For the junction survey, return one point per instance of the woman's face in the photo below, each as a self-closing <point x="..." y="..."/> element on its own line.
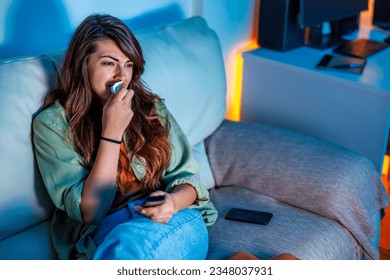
<point x="106" y="66"/>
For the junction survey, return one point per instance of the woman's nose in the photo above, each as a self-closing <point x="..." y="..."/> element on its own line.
<point x="120" y="73"/>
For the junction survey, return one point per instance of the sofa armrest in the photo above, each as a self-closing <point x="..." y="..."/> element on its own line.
<point x="302" y="171"/>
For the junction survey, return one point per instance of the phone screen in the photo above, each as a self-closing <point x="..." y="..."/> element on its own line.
<point x="249" y="216"/>
<point x="153" y="200"/>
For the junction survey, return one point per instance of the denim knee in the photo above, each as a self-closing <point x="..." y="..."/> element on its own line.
<point x="184" y="237"/>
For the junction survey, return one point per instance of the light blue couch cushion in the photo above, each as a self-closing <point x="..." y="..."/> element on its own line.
<point x="23" y="199"/>
<point x="184" y="65"/>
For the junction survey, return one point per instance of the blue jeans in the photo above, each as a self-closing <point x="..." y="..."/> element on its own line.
<point x="127" y="235"/>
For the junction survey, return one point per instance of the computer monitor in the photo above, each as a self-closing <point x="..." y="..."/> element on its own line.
<point x="381" y="16"/>
<point x="326" y="21"/>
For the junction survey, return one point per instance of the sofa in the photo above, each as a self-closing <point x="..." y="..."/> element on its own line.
<point x="326" y="201"/>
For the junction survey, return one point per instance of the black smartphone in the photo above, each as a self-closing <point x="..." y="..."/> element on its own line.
<point x="153" y="200"/>
<point x="249" y="216"/>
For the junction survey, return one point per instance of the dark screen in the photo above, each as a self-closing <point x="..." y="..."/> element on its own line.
<point x="314" y="12"/>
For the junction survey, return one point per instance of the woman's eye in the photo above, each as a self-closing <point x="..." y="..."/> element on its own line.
<point x="108" y="63"/>
<point x="129" y="65"/>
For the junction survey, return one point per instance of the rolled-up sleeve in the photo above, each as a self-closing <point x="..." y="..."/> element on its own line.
<point x="61" y="167"/>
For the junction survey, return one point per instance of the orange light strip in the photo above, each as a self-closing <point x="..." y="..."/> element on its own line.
<point x="386" y="166"/>
<point x="234" y="111"/>
<point x="235" y="89"/>
<point x="384" y="240"/>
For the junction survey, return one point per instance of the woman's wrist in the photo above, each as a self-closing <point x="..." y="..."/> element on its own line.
<point x="183" y="196"/>
<point x="111" y="133"/>
<point x="107" y="139"/>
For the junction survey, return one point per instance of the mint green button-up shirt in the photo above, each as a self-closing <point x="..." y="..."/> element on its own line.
<point x="64" y="173"/>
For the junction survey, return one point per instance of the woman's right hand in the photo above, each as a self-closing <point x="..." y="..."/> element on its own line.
<point x="99" y="188"/>
<point x="117" y="113"/>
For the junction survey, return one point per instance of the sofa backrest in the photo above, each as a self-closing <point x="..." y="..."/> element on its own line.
<point x="184" y="65"/>
<point x="23" y="199"/>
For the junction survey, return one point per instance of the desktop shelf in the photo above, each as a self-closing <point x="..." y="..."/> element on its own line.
<point x="351" y="110"/>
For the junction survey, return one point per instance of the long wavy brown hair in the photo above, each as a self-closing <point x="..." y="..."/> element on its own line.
<point x="147" y="134"/>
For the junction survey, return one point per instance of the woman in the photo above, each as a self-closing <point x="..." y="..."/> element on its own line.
<point x="100" y="154"/>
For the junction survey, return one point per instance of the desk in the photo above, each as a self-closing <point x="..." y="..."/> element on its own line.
<point x="285" y="89"/>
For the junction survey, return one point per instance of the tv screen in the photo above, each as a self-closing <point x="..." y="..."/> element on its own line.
<point x="313" y="12"/>
<point x="328" y="20"/>
<point x="381" y="17"/>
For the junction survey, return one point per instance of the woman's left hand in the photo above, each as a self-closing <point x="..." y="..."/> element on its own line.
<point x="161" y="213"/>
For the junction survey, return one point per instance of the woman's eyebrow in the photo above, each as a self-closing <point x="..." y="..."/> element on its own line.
<point x="109" y="56"/>
<point x="113" y="58"/>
